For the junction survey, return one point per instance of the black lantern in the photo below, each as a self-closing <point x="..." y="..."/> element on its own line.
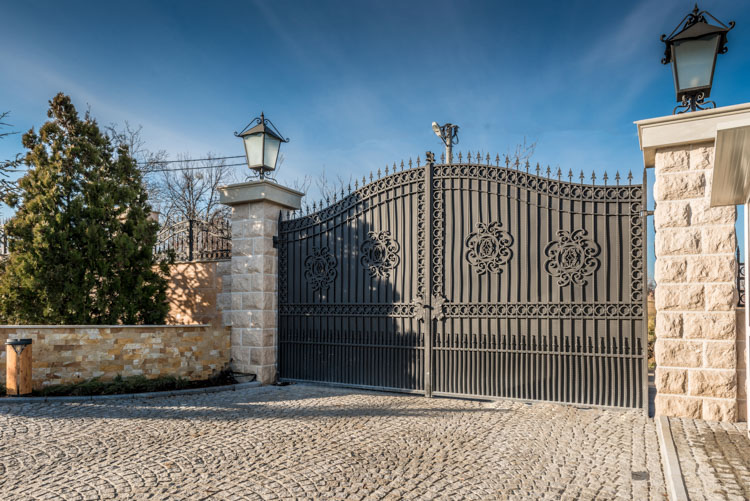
<point x="692" y="48"/>
<point x="262" y="141"/>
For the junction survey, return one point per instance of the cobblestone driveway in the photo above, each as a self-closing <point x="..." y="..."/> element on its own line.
<point x="312" y="442"/>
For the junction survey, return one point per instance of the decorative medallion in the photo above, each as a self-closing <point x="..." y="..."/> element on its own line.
<point x="320" y="268"/>
<point x="489" y="247"/>
<point x="572" y="257"/>
<point x="380" y="253"/>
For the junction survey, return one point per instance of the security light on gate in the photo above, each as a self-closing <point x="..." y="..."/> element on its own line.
<point x="692" y="49"/>
<point x="262" y="141"/>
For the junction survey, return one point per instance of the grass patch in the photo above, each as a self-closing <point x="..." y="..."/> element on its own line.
<point x="132" y="384"/>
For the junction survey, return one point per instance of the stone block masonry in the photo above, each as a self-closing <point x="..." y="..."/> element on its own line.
<point x="251" y="308"/>
<point x="697" y="326"/>
<point x="71" y="354"/>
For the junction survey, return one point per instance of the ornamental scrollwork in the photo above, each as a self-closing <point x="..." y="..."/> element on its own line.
<point x="572" y="257"/>
<point x="320" y="268"/>
<point x="489" y="247"/>
<point x="380" y="253"/>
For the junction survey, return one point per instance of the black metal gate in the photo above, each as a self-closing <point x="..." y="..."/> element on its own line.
<point x="470" y="279"/>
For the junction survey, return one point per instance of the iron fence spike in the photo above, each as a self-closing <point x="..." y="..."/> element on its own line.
<point x="418" y="161"/>
<point x="617" y="177"/>
<point x="549" y="171"/>
<point x="559" y="173"/>
<point x="605" y="178"/>
<point x="488" y="158"/>
<point x="582" y="176"/>
<point x="442" y="158"/>
<point x="460" y="159"/>
<point x="402" y="165"/>
<point x="410" y="162"/>
<point x="630" y="177"/>
<point x="537" y="168"/>
<point x="386" y="170"/>
<point x="570" y="175"/>
<point x="497" y="160"/>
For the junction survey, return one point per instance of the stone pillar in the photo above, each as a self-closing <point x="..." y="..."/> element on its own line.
<point x="696" y="291"/>
<point x="253" y="306"/>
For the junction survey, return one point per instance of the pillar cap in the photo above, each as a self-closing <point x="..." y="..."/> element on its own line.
<point x="261" y="190"/>
<point x="686" y="128"/>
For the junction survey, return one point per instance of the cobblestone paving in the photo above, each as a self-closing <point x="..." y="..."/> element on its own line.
<point x="714" y="458"/>
<point x="312" y="442"/>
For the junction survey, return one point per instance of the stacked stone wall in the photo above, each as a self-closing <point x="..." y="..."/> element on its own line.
<point x="70" y="354"/>
<point x="696" y="294"/>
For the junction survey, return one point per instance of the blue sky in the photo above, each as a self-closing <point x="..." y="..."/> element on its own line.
<point x="356" y="84"/>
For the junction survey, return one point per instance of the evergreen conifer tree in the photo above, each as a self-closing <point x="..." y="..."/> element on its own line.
<point x="81" y="240"/>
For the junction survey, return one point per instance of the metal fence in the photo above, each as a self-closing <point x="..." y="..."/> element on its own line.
<point x="196" y="240"/>
<point x="740" y="281"/>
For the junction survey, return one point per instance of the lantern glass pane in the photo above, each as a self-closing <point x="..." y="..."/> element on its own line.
<point x="271" y="152"/>
<point x="254" y="149"/>
<point x="694" y="61"/>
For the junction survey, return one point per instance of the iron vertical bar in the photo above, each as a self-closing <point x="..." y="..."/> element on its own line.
<point x="644" y="334"/>
<point x="429" y="278"/>
<point x="190" y="239"/>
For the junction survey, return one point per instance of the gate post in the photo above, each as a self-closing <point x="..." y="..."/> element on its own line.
<point x="252" y="314"/>
<point x="698" y="335"/>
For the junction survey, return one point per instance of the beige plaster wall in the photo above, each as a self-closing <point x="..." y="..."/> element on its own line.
<point x="198" y="292"/>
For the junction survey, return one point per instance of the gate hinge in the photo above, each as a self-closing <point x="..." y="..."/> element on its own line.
<point x="275" y="242"/>
<point x="647" y="213"/>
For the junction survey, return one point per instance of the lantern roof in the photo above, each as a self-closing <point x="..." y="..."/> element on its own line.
<point x="694" y="25"/>
<point x="262" y="125"/>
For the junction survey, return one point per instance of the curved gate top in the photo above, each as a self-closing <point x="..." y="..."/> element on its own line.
<point x="470" y="279"/>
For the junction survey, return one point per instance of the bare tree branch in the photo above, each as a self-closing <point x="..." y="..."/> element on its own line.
<point x="190" y="193"/>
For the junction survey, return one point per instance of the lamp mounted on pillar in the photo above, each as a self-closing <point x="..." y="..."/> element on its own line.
<point x="692" y="49"/>
<point x="262" y="141"/>
<point x="449" y="135"/>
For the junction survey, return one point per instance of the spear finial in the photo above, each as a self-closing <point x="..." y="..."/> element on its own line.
<point x="418" y="160"/>
<point x="559" y="173"/>
<point x="549" y="171"/>
<point x="570" y="175"/>
<point x="605" y="178"/>
<point x="630" y="177"/>
<point x="497" y="160"/>
<point x="617" y="177"/>
<point x="537" y="168"/>
<point x="386" y="169"/>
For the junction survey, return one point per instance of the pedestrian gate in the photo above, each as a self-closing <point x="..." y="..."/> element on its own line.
<point x="470" y="279"/>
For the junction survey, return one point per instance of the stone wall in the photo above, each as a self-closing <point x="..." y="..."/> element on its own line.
<point x="194" y="290"/>
<point x="696" y="293"/>
<point x="68" y="354"/>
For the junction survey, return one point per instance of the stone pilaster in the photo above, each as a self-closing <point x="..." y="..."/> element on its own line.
<point x="696" y="292"/>
<point x="253" y="306"/>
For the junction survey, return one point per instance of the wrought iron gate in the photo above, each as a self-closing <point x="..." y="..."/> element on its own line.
<point x="470" y="279"/>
